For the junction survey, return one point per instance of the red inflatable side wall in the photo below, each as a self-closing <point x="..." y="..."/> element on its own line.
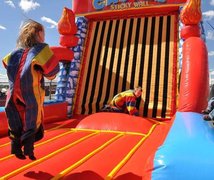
<point x="194" y="87"/>
<point x="3" y="124"/>
<point x="52" y="112"/>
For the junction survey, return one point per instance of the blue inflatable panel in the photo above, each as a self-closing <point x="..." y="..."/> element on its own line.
<point x="47" y="102"/>
<point x="188" y="151"/>
<point x="2" y="109"/>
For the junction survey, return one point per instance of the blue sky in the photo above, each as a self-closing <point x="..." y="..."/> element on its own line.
<point x="14" y="12"/>
<point x="48" y="12"/>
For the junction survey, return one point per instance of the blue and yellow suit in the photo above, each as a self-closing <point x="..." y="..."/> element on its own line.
<point x="26" y="69"/>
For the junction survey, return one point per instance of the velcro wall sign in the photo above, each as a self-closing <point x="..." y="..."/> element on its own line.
<point x="87" y="7"/>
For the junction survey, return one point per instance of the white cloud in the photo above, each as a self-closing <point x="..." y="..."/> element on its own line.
<point x="3" y="78"/>
<point x="209" y="14"/>
<point x="211" y="53"/>
<point x="210" y="35"/>
<point x="2" y="27"/>
<point x="3" y="75"/>
<point x="52" y="23"/>
<point x="212" y="2"/>
<point x="10" y="3"/>
<point x="27" y="5"/>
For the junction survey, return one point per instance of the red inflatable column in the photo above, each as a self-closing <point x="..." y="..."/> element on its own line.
<point x="67" y="30"/>
<point x="194" y="85"/>
<point x="81" y="6"/>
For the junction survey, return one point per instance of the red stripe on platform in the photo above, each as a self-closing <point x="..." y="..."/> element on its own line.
<point x="12" y="164"/>
<point x="66" y="158"/>
<point x="107" y="159"/>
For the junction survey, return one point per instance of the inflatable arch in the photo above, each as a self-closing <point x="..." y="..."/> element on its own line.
<point x="107" y="46"/>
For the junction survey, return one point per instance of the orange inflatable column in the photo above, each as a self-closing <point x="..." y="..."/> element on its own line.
<point x="67" y="29"/>
<point x="194" y="85"/>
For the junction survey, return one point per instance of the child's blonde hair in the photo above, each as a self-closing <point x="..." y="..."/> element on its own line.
<point x="138" y="88"/>
<point x="28" y="35"/>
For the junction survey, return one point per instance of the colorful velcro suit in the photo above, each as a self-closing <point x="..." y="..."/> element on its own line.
<point x="26" y="70"/>
<point x="125" y="102"/>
